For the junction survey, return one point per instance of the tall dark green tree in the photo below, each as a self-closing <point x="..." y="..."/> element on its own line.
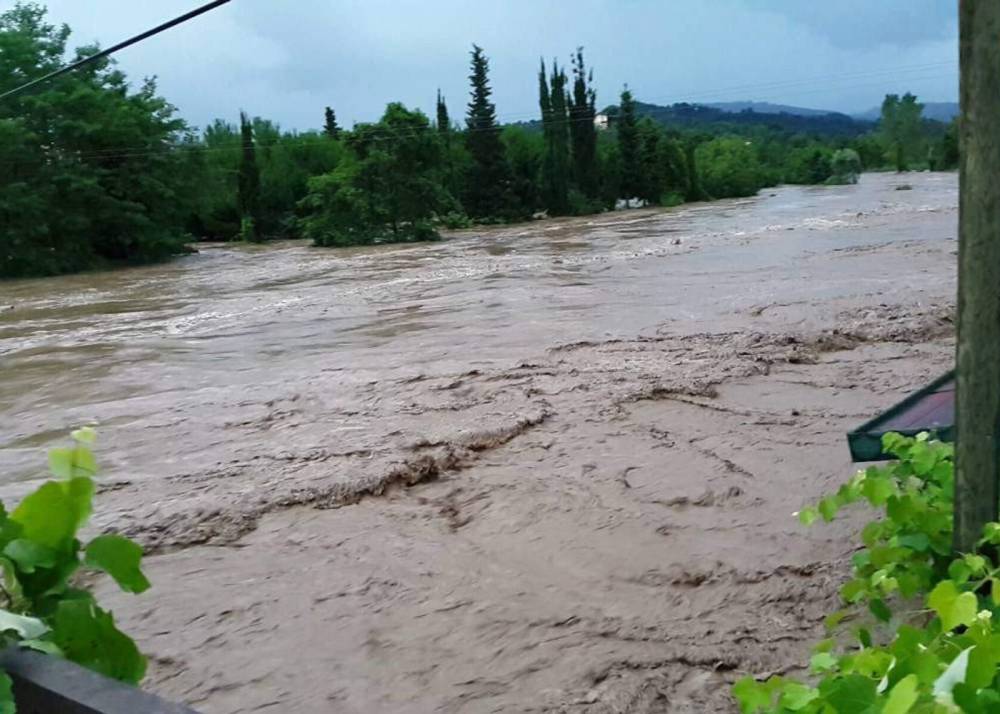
<point x="582" y="110"/>
<point x="628" y="147"/>
<point x="330" y="127"/>
<point x="556" y="164"/>
<point x="443" y="120"/>
<point x="901" y="128"/>
<point x="248" y="186"/>
<point x="488" y="184"/>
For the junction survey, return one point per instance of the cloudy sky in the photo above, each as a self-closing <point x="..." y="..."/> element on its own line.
<point x="286" y="59"/>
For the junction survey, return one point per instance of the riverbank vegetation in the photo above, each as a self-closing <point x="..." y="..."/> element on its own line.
<point x="920" y="626"/>
<point x="45" y="606"/>
<point x="100" y="172"/>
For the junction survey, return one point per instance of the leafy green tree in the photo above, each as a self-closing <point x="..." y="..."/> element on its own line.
<point x="70" y="197"/>
<point x="330" y="127"/>
<point x="901" y="128"/>
<point x="248" y="187"/>
<point x="582" y="110"/>
<point x="729" y="167"/>
<point x="809" y="165"/>
<point x="846" y="166"/>
<point x="525" y="151"/>
<point x="488" y="183"/>
<point x="944" y="153"/>
<point x="628" y="147"/>
<point x="388" y="189"/>
<point x="673" y="171"/>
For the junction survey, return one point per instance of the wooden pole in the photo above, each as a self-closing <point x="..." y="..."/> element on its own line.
<point x="977" y="457"/>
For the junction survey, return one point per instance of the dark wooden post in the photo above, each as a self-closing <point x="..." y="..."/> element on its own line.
<point x="977" y="458"/>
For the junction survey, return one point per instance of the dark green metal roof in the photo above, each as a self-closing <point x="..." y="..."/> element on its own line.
<point x="930" y="409"/>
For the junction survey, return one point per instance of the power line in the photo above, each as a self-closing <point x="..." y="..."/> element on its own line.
<point x="114" y="48"/>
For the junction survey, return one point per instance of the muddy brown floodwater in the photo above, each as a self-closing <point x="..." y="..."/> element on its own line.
<point x="544" y="468"/>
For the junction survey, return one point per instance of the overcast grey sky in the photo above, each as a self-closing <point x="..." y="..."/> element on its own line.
<point x="287" y="59"/>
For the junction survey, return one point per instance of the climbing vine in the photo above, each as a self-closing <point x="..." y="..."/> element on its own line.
<point x="920" y="627"/>
<point x="42" y="606"/>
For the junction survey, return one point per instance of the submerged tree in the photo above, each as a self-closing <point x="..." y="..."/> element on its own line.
<point x="248" y="187"/>
<point x="488" y="184"/>
<point x="388" y="190"/>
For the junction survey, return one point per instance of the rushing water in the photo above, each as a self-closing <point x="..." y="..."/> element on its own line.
<point x="124" y="348"/>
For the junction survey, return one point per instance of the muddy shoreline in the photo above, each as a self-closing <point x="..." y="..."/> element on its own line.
<point x="541" y="468"/>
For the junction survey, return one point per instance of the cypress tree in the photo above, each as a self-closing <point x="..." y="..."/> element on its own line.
<point x="545" y="104"/>
<point x="628" y="146"/>
<point x="443" y="121"/>
<point x="248" y="188"/>
<point x="330" y="127"/>
<point x="488" y="189"/>
<point x="582" y="110"/>
<point x="557" y="160"/>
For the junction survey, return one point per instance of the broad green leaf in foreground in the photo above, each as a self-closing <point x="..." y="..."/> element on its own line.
<point x="954" y="608"/>
<point x="118" y="557"/>
<point x="51" y="515"/>
<point x="89" y="637"/>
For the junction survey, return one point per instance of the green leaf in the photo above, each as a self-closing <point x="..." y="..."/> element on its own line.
<point x="808" y="516"/>
<point x="977" y="563"/>
<point x="61" y="462"/>
<point x="822" y="661"/>
<point x="27" y="628"/>
<point x="752" y="695"/>
<point x="982" y="667"/>
<point x="915" y="541"/>
<point x="7" y="705"/>
<point x="853" y="693"/>
<point x="84" y="463"/>
<point x="828" y="508"/>
<point x="119" y="557"/>
<point x="30" y="555"/>
<point x="880" y="610"/>
<point x="88" y="636"/>
<point x="797" y="696"/>
<point x="991" y="533"/>
<point x="864" y="637"/>
<point x="84" y="435"/>
<point x="995" y="590"/>
<point x="903" y="696"/>
<point x="51" y="515"/>
<point x="954" y="608"/>
<point x="878" y="490"/>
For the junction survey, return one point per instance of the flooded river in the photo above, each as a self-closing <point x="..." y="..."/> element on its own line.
<point x="609" y="419"/>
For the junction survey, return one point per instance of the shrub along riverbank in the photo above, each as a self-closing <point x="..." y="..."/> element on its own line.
<point x="98" y="173"/>
<point x="920" y="627"/>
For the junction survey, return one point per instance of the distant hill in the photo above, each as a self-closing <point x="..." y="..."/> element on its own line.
<point x="768" y="108"/>
<point x="704" y="115"/>
<point x="939" y="111"/>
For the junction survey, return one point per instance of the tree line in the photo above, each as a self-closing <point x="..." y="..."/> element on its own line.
<point x="96" y="173"/>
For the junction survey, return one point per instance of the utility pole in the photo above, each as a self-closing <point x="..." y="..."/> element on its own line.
<point x="977" y="455"/>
